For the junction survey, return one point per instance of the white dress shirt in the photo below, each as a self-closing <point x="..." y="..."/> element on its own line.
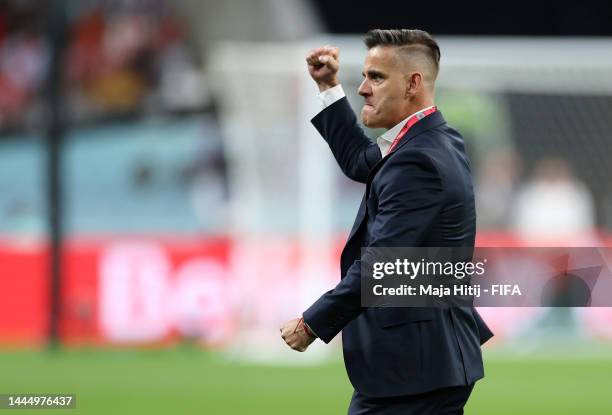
<point x="331" y="95"/>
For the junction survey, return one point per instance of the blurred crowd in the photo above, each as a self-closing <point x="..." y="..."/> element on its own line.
<point x="550" y="206"/>
<point x="121" y="57"/>
<point x="136" y="57"/>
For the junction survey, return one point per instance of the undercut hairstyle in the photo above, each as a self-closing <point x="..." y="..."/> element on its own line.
<point x="408" y="40"/>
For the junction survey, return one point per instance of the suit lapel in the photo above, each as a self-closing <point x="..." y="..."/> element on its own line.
<point x="433" y="120"/>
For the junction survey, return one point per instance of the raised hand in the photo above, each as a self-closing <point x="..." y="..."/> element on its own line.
<point x="323" y="66"/>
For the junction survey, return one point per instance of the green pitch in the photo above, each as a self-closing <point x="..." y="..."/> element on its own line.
<point x="194" y="382"/>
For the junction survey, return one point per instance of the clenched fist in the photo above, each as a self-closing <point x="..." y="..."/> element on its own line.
<point x="323" y="65"/>
<point x="295" y="334"/>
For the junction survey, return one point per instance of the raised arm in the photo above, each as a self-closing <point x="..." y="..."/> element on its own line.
<point x="354" y="151"/>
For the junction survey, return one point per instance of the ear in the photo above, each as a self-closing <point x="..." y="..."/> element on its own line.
<point x="413" y="83"/>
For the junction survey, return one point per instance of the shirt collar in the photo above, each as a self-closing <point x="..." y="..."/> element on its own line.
<point x="390" y="134"/>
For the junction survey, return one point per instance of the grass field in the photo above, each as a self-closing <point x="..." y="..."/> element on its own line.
<point x="194" y="382"/>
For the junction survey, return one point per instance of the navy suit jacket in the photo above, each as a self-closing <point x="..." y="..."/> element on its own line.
<point x="419" y="195"/>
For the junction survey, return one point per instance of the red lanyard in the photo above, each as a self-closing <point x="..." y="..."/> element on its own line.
<point x="411" y="121"/>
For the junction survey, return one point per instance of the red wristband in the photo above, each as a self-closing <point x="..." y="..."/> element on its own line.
<point x="307" y="330"/>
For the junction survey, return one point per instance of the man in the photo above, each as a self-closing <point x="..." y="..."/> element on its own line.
<point x="418" y="194"/>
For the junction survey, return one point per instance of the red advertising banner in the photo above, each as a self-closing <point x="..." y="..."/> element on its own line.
<point x="23" y="293"/>
<point x="145" y="291"/>
<point x="126" y="292"/>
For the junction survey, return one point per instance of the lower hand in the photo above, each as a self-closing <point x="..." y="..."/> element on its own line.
<point x="295" y="335"/>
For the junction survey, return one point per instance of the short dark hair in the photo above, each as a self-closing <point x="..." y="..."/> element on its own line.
<point x="420" y="39"/>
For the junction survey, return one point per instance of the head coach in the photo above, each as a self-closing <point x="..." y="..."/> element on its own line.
<point x="418" y="194"/>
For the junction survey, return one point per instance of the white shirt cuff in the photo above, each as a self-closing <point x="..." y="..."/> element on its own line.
<point x="331" y="95"/>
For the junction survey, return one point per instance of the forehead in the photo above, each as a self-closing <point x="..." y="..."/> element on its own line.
<point x="381" y="57"/>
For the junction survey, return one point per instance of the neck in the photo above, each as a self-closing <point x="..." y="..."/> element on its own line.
<point x="419" y="104"/>
<point x="415" y="107"/>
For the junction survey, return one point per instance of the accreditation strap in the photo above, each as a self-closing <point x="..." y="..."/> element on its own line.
<point x="411" y="121"/>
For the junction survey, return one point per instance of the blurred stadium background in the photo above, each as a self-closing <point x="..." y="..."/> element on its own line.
<point x="156" y="219"/>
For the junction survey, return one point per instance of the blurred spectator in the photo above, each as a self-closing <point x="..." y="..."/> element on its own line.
<point x="108" y="60"/>
<point x="126" y="59"/>
<point x="207" y="178"/>
<point x="496" y="189"/>
<point x="554" y="207"/>
<point x="123" y="57"/>
<point x="23" y="62"/>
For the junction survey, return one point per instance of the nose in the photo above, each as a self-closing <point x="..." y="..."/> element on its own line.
<point x="364" y="89"/>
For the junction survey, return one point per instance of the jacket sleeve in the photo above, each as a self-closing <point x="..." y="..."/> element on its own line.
<point x="484" y="331"/>
<point x="410" y="199"/>
<point x="354" y="151"/>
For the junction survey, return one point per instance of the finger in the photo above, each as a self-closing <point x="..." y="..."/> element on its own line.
<point x="290" y="339"/>
<point x="298" y="347"/>
<point x="330" y="62"/>
<point x="295" y="342"/>
<point x="313" y="61"/>
<point x="314" y="54"/>
<point x="298" y="343"/>
<point x="332" y="50"/>
<point x="284" y="333"/>
<point x="336" y="53"/>
<point x="312" y="58"/>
